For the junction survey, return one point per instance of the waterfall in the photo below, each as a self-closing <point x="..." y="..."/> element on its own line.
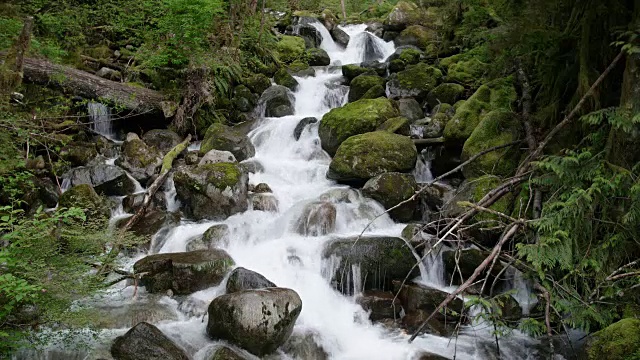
<point x="422" y="171"/>
<point x="364" y="46"/>
<point x="100" y="116"/>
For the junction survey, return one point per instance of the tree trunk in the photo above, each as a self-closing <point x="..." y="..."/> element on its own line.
<point x="344" y="12"/>
<point x="14" y="63"/>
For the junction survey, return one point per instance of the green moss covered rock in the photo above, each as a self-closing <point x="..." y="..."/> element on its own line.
<point x="362" y="83"/>
<point x="301" y="68"/>
<point x="257" y="83"/>
<point x="351" y="71"/>
<point x="79" y="153"/>
<point x="352" y="119"/>
<point x="318" y="57"/>
<point x="374" y="92"/>
<point x="290" y="48"/>
<point x="419" y="36"/>
<point x="618" y="341"/>
<point x="282" y="77"/>
<point x="415" y="81"/>
<point x="447" y="93"/>
<point x="498" y="94"/>
<point x="468" y="72"/>
<point x="398" y="125"/>
<point x="84" y="197"/>
<point x="364" y="156"/>
<point x="496" y="128"/>
<point x="225" y="138"/>
<point x="404" y="14"/>
<point x="473" y="190"/>
<point x="139" y="159"/>
<point x="389" y="189"/>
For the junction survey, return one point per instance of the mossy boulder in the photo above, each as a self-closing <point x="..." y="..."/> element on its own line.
<point x="410" y="109"/>
<point x="390" y="189"/>
<point x="243" y="99"/>
<point x="328" y="19"/>
<point x="318" y="57"/>
<point x="144" y="342"/>
<point x="139" y="159"/>
<point x="282" y="77"/>
<point x="374" y="93"/>
<point x="225" y="138"/>
<point x="277" y="101"/>
<point x="105" y="179"/>
<point x="212" y="191"/>
<point x="381" y="259"/>
<point x="184" y="272"/>
<point x="407" y="54"/>
<point x="618" y="341"/>
<point x="415" y="81"/>
<point x="161" y="139"/>
<point x="290" y="48"/>
<point x="498" y="94"/>
<point x="352" y="119"/>
<point x="301" y="68"/>
<point x="257" y="83"/>
<point x="467" y="72"/>
<point x="498" y="127"/>
<point x="351" y="71"/>
<point x="414" y="296"/>
<point x="473" y="190"/>
<point x="398" y="125"/>
<point x="405" y="13"/>
<point x="419" y="36"/>
<point x="446" y="93"/>
<point x="362" y="157"/>
<point x="361" y="84"/>
<point x="259" y="321"/>
<point x="84" y="197"/>
<point x="79" y="153"/>
<point x="244" y="279"/>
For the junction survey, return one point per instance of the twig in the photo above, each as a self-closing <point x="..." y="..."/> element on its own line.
<point x="547" y="313"/>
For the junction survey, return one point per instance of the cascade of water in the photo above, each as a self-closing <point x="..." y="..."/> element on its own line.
<point x="422" y="171"/>
<point x="100" y="116"/>
<point x="170" y="195"/>
<point x="523" y="294"/>
<point x="363" y="46"/>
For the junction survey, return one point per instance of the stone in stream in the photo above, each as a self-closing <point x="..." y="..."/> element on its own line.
<point x="304" y="346"/>
<point x="410" y="109"/>
<point x="244" y="279"/>
<point x="282" y="77"/>
<point x="318" y="218"/>
<point x="146" y="342"/>
<point x="375" y="28"/>
<point x="390" y="189"/>
<point x="216" y="236"/>
<point x="106" y="179"/>
<point x="258" y="321"/>
<point x="350" y="71"/>
<point x="340" y="37"/>
<point x="224" y="138"/>
<point x="217" y="156"/>
<point x="415" y="81"/>
<point x="318" y="57"/>
<point x="281" y="111"/>
<point x="380" y="260"/>
<point x="139" y="159"/>
<point x="361" y="84"/>
<point x="398" y="125"/>
<point x="191" y="158"/>
<point x="414" y="296"/>
<point x="275" y="100"/>
<point x="262" y="188"/>
<point x="225" y="353"/>
<point x="380" y="68"/>
<point x="264" y="202"/>
<point x="374" y="92"/>
<point x="161" y="139"/>
<point x="183" y="273"/>
<point x="212" y="191"/>
<point x="252" y="166"/>
<point x="380" y="304"/>
<point x="297" y="132"/>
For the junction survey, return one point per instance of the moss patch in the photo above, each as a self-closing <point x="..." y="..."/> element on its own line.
<point x="447" y="93"/>
<point x="362" y="83"/>
<point x="619" y="341"/>
<point x="416" y="81"/>
<point x="468" y="72"/>
<point x="221" y="175"/>
<point x="290" y="48"/>
<point x="398" y="125"/>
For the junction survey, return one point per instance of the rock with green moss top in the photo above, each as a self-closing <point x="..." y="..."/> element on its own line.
<point x="418" y="36"/>
<point x="415" y="81"/>
<point x="408" y="54"/>
<point x="184" y="272"/>
<point x="381" y="259"/>
<point x="301" y="68"/>
<point x="361" y="84"/>
<point x="618" y="341"/>
<point x="447" y="93"/>
<point x="290" y="48"/>
<point x="259" y="321"/>
<point x="257" y="83"/>
<point x="161" y="139"/>
<point x="282" y="77"/>
<point x="410" y="109"/>
<point x="225" y="138"/>
<point x="362" y="157"/>
<point x="328" y="19"/>
<point x="351" y="71"/>
<point x="84" y="197"/>
<point x="468" y="72"/>
<point x="403" y="14"/>
<point x="212" y="191"/>
<point x="277" y="101"/>
<point x="396" y="65"/>
<point x="473" y="190"/>
<point x="397" y="125"/>
<point x="390" y="189"/>
<point x="79" y="153"/>
<point x="139" y="159"/>
<point x="352" y="119"/>
<point x="374" y="93"/>
<point x="318" y="57"/>
<point x="243" y="99"/>
<point x="498" y="127"/>
<point x="498" y="94"/>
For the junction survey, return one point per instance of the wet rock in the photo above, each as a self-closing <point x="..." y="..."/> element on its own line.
<point x="106" y="147"/>
<point x="346" y="195"/>
<point x="234" y="317"/>
<point x="84" y="197"/>
<point x="215" y="237"/>
<point x="381" y="305"/>
<point x="380" y="68"/>
<point x="264" y="202"/>
<point x="415" y="81"/>
<point x="297" y="132"/>
<point x="328" y="19"/>
<point x="390" y="189"/>
<point x="225" y="353"/>
<point x="48" y="192"/>
<point x="79" y="153"/>
<point x="419" y="36"/>
<point x="274" y="97"/>
<point x="415" y="296"/>
<point x="510" y="309"/>
<point x="191" y="158"/>
<point x="447" y="93"/>
<point x="375" y="28"/>
<point x="390" y="35"/>
<point x="105" y="179"/>
<point x="351" y="71"/>
<point x="283" y="78"/>
<point x="410" y="109"/>
<point x="372" y="52"/>
<point x="162" y="139"/>
<point x="473" y="190"/>
<point x="281" y="110"/>
<point x="252" y="166"/>
<point x="243" y="99"/>
<point x="224" y="138"/>
<point x="243" y="279"/>
<point x="146" y="342"/>
<point x="429" y="356"/>
<point x="128" y="314"/>
<point x="301" y="69"/>
<point x="109" y="74"/>
<point x="131" y="203"/>
<point x="362" y="157"/>
<point x="262" y="188"/>
<point x="150" y="223"/>
<point x="469" y="260"/>
<point x="257" y="83"/>
<point x="361" y="84"/>
<point x="311" y="36"/>
<point x="340" y="37"/>
<point x="217" y="156"/>
<point x="318" y="218"/>
<point x="352" y="119"/>
<point x="380" y="259"/>
<point x="183" y="273"/>
<point x="398" y="125"/>
<point x="139" y="159"/>
<point x="304" y="346"/>
<point x="318" y="57"/>
<point x="212" y="191"/>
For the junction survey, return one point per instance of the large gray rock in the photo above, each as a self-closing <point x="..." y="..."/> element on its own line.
<point x="415" y="297"/>
<point x="390" y="189"/>
<point x="110" y="74"/>
<point x="215" y="237"/>
<point x="318" y="218"/>
<point x="217" y="156"/>
<point x="258" y="321"/>
<point x="381" y="259"/>
<point x="139" y="159"/>
<point x="244" y="279"/>
<point x="380" y="304"/>
<point x="264" y="202"/>
<point x="276" y="97"/>
<point x="146" y="342"/>
<point x="410" y="109"/>
<point x="224" y="138"/>
<point x="183" y="273"/>
<point x="162" y="139"/>
<point x="105" y="179"/>
<point x="213" y="191"/>
<point x="340" y="37"/>
<point x="297" y="132"/>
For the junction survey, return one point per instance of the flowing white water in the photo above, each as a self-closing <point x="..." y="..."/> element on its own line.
<point x="100" y="116"/>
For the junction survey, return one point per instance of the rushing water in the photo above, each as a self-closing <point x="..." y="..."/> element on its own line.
<point x="100" y="116"/>
<point x="267" y="242"/>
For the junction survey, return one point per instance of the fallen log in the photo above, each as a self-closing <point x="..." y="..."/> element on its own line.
<point x="81" y="83"/>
